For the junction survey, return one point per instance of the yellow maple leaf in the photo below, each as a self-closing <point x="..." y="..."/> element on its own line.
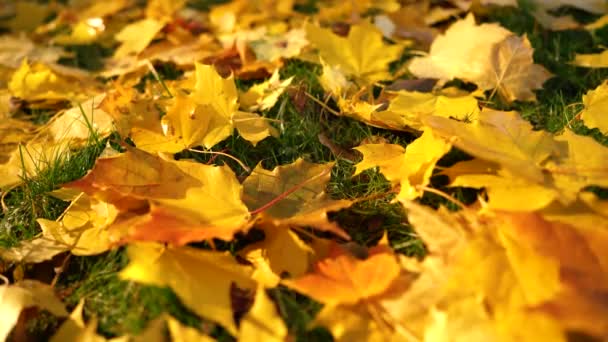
<point x="594" y="114"/>
<point x="452" y="56"/>
<point x="83" y="228"/>
<point x="189" y="124"/>
<point x="410" y="167"/>
<point x="504" y="189"/>
<point x="502" y="137"/>
<point x="135" y="37"/>
<point x="488" y="282"/>
<point x="252" y="127"/>
<point x="282" y="252"/>
<point x="135" y="174"/>
<point x="180" y="220"/>
<point x="496" y="59"/>
<point x="204" y="289"/>
<point x="209" y="114"/>
<point x="262" y="322"/>
<point x="582" y="162"/>
<point x="82" y="121"/>
<point x="591" y="60"/>
<point x="409" y="107"/>
<point x="263" y="96"/>
<point x="36" y="82"/>
<point x="516" y="75"/>
<point x="362" y="54"/>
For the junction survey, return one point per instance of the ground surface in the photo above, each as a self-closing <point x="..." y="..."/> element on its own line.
<point x="308" y="130"/>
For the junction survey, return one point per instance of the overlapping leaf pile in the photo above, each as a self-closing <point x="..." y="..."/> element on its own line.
<point x="526" y="261"/>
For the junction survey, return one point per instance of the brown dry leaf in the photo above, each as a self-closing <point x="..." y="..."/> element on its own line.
<point x="293" y="195"/>
<point x="516" y="74"/>
<point x="204" y="288"/>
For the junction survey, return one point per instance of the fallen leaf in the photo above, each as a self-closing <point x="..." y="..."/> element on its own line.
<point x="408" y="108"/>
<point x="362" y="54"/>
<point x="516" y="73"/>
<point x="593" y="115"/>
<point x="82" y="121"/>
<point x="293" y="195"/>
<point x="495" y="60"/>
<point x="74" y="329"/>
<point x="344" y="279"/>
<point x="83" y="228"/>
<point x="135" y="37"/>
<point x="204" y="289"/>
<point x="37" y="82"/>
<point x="263" y="96"/>
<point x="453" y="56"/>
<point x="24" y="294"/>
<point x="262" y="322"/>
<point x="135" y="174"/>
<point x="211" y="209"/>
<point x="282" y="252"/>
<point x="592" y="60"/>
<point x="501" y="137"/>
<point x="410" y="168"/>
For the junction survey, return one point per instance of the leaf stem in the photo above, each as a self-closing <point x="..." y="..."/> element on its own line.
<point x="245" y="167"/>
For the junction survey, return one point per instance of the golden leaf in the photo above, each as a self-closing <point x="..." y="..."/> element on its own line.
<point x="204" y="289"/>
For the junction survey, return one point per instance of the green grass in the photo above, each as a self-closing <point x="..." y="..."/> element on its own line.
<point x="31" y="200"/>
<point x="124" y="307"/>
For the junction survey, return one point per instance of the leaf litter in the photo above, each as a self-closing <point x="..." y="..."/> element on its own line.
<point x="525" y="260"/>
